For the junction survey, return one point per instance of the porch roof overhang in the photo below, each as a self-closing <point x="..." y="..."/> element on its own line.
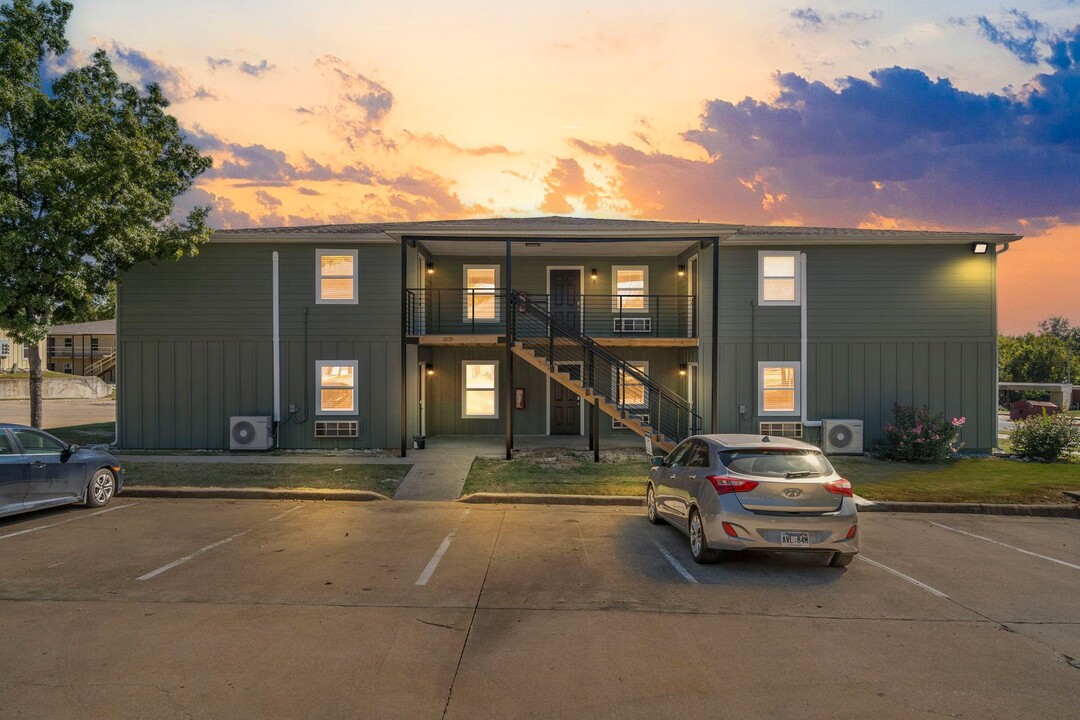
<point x="559" y="247"/>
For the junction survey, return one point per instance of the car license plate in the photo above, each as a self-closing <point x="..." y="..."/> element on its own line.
<point x="795" y="539"/>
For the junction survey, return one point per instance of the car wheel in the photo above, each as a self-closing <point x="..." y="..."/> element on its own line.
<point x="650" y="507"/>
<point x="101" y="488"/>
<point x="699" y="545"/>
<point x="840" y="559"/>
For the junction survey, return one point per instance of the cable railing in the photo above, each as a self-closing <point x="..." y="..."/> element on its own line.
<point x="450" y="311"/>
<point x="566" y="349"/>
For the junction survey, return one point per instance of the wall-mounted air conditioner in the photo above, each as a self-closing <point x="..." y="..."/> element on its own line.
<point x="250" y="433"/>
<point x="842" y="437"/>
<point x="632" y="324"/>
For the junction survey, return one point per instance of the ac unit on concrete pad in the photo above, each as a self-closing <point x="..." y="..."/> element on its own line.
<point x="842" y="437"/>
<point x="250" y="432"/>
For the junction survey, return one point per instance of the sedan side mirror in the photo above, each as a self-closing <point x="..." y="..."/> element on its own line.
<point x="71" y="450"/>
<point x="658" y="461"/>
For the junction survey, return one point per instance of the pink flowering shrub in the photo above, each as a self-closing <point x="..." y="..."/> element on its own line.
<point x="919" y="435"/>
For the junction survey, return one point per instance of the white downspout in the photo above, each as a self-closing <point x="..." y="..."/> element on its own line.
<point x="277" y="347"/>
<point x="802" y="344"/>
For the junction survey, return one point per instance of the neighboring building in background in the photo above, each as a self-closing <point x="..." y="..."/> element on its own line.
<point x="364" y="336"/>
<point x="14" y="356"/>
<point x="83" y="349"/>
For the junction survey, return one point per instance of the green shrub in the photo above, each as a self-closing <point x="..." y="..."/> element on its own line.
<point x="919" y="435"/>
<point x="1045" y="437"/>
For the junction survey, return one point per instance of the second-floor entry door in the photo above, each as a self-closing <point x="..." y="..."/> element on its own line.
<point x="565" y="297"/>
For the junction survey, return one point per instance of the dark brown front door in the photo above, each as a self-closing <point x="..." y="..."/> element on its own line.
<point x="566" y="297"/>
<point x="565" y="405"/>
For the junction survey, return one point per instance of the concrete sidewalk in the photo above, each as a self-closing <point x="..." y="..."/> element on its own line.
<point x="439" y="471"/>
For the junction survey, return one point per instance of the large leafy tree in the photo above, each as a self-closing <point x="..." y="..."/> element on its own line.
<point x="89" y="169"/>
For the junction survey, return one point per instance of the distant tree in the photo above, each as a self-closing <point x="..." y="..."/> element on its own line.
<point x="1032" y="358"/>
<point x="1059" y="327"/>
<point x="89" y="170"/>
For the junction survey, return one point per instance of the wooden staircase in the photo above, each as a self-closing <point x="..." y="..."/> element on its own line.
<point x="659" y="441"/>
<point x="101" y="366"/>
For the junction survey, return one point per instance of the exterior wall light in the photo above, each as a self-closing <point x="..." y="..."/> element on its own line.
<point x="592" y="274"/>
<point x="683" y="367"/>
<point x="980" y="248"/>
<point x="429" y="368"/>
<point x="431" y="268"/>
<point x="682" y="271"/>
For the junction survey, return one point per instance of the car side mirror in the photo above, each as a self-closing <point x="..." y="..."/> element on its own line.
<point x="71" y="450"/>
<point x="658" y="461"/>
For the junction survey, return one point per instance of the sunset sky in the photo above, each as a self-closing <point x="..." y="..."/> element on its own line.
<point x="960" y="115"/>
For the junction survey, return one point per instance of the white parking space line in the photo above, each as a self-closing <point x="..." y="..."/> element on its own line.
<point x="208" y="548"/>
<point x="433" y="563"/>
<point x="1011" y="547"/>
<point x="676" y="564"/>
<point x="899" y="574"/>
<point x="62" y="522"/>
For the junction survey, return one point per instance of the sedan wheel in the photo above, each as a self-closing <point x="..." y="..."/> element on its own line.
<point x="101" y="489"/>
<point x="650" y="505"/>
<point x="699" y="546"/>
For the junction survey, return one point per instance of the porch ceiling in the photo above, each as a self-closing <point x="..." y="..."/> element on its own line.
<point x="561" y="248"/>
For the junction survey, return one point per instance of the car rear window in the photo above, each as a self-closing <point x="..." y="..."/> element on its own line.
<point x="776" y="463"/>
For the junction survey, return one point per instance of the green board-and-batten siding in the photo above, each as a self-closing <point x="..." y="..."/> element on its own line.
<point x="196" y="346"/>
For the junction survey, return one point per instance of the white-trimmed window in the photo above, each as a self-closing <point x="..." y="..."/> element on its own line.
<point x="336" y="380"/>
<point x="778" y="277"/>
<point x="778" y="388"/>
<point x="632" y="393"/>
<point x="481" y="283"/>
<point x="479" y="389"/>
<point x="629" y="285"/>
<point x="337" y="282"/>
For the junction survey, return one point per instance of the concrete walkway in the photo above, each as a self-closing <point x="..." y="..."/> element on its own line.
<point x="439" y="471"/>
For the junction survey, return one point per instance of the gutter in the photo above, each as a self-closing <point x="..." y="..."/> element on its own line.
<point x="802" y="345"/>
<point x="276" y="343"/>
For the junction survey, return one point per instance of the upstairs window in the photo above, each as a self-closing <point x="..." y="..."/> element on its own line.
<point x="337" y="386"/>
<point x="630" y="285"/>
<point x="479" y="389"/>
<point x="778" y="277"/>
<point x="337" y="279"/>
<point x="779" y="388"/>
<point x="95" y="344"/>
<point x="481" y="301"/>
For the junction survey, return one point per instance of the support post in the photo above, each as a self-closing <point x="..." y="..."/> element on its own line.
<point x="594" y="429"/>
<point x="715" y="340"/>
<point x="508" y="373"/>
<point x="404" y="408"/>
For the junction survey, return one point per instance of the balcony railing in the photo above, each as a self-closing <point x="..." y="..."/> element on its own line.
<point x="455" y="311"/>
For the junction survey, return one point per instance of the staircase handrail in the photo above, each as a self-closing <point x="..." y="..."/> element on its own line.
<point x="518" y="300"/>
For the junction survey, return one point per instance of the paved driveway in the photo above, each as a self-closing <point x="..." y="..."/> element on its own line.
<point x="61" y="413"/>
<point x="252" y="609"/>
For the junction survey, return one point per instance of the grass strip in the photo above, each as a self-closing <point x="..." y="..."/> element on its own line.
<point x="346" y="476"/>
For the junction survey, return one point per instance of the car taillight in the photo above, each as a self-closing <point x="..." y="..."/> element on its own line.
<point x="851" y="532"/>
<point x="840" y="486"/>
<point x="725" y="484"/>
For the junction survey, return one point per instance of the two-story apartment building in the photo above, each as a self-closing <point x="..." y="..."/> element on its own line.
<point x="87" y="348"/>
<point x="367" y="335"/>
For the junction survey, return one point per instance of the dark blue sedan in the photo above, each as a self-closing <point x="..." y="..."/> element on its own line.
<point x="39" y="471"/>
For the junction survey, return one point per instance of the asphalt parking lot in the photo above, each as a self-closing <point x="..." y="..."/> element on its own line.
<point x="260" y="609"/>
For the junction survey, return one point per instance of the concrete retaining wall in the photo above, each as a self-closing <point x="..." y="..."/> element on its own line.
<point x="72" y="388"/>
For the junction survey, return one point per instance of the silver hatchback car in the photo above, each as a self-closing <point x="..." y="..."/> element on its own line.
<point x="753" y="492"/>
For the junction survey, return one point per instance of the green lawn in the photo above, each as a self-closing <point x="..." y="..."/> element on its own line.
<point x="25" y="375"/>
<point x="967" y="480"/>
<point x="86" y="435"/>
<point x="565" y="472"/>
<point x="625" y="472"/>
<point x="346" y="476"/>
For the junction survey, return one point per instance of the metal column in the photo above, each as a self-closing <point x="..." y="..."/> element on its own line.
<point x="508" y="372"/>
